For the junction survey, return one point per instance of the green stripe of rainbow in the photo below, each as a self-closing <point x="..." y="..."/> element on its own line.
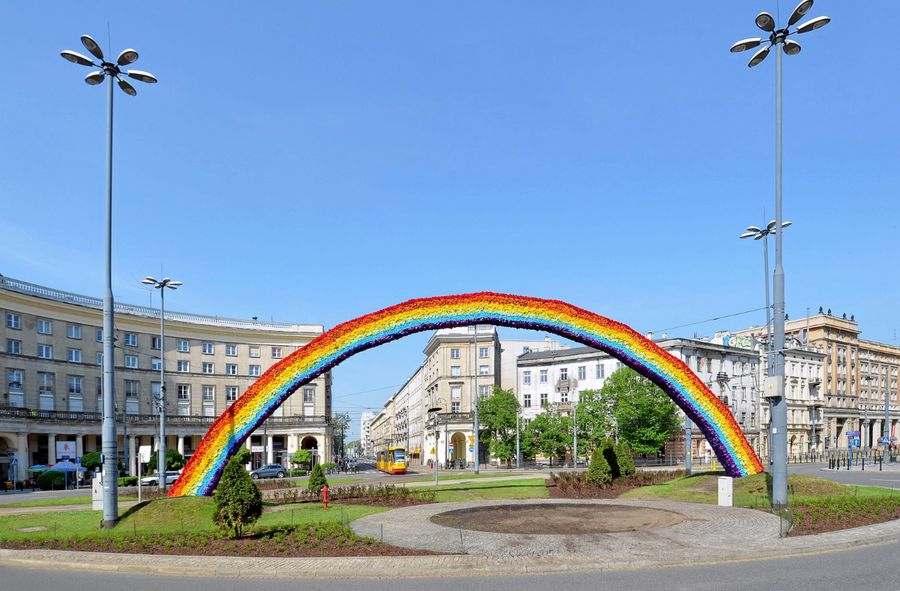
<point x="232" y="427"/>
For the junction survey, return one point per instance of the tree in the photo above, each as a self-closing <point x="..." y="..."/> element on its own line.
<point x="302" y="457"/>
<point x="238" y="500"/>
<point x="550" y="434"/>
<point x="625" y="458"/>
<point x="340" y="424"/>
<point x="595" y="421"/>
<point x="645" y="415"/>
<point x="317" y="479"/>
<point x="598" y="471"/>
<point x="91" y="461"/>
<point x="174" y="460"/>
<point x="243" y="456"/>
<point x="497" y="416"/>
<point x="609" y="454"/>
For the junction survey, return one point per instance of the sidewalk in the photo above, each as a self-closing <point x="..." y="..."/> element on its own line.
<point x="710" y="535"/>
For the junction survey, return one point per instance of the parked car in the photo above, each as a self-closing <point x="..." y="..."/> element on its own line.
<point x="268" y="471"/>
<point x="153" y="479"/>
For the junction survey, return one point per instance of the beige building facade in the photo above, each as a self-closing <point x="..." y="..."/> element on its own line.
<point x="52" y="392"/>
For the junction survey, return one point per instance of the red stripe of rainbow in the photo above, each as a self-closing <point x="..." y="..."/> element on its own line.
<point x="232" y="427"/>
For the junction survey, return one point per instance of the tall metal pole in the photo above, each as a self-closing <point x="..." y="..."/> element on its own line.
<point x="518" y="448"/>
<point x="687" y="445"/>
<point x="161" y="451"/>
<point x="475" y="398"/>
<point x="886" y="431"/>
<point x="110" y="449"/>
<point x="769" y="364"/>
<point x="779" y="404"/>
<point x="575" y="435"/>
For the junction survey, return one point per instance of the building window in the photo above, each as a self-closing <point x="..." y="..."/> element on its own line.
<point x="209" y="393"/>
<point x="483" y="352"/>
<point x="13" y="321"/>
<point x="15" y="381"/>
<point x="454" y="407"/>
<point x="564" y="396"/>
<point x="231" y="394"/>
<point x="231" y="350"/>
<point x="544" y="400"/>
<point x="73" y="331"/>
<point x="184" y="400"/>
<point x="208" y="367"/>
<point x="526" y="378"/>
<point x="455" y="392"/>
<point x="582" y="372"/>
<point x="45" y="390"/>
<point x="73" y="355"/>
<point x="132" y="389"/>
<point x="600" y="371"/>
<point x="99" y="357"/>
<point x="184" y="365"/>
<point x="155" y="392"/>
<point x="454" y="353"/>
<point x="564" y="373"/>
<point x="155" y="363"/>
<point x="309" y="394"/>
<point x="484" y="391"/>
<point x="526" y="400"/>
<point x="154" y="343"/>
<point x="454" y="371"/>
<point x="131" y="361"/>
<point x="183" y="346"/>
<point x="276" y="352"/>
<point x="44" y="326"/>
<point x="543" y="379"/>
<point x="208" y="348"/>
<point x="13" y="347"/>
<point x="231" y="369"/>
<point x="254" y="352"/>
<point x="184" y="391"/>
<point x="130" y="339"/>
<point x="482" y="370"/>
<point x="45" y="351"/>
<point x="254" y="371"/>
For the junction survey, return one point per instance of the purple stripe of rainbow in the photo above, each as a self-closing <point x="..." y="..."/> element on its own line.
<point x="231" y="429"/>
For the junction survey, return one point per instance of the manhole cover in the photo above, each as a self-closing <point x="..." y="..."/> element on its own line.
<point x="29" y="530"/>
<point x="558" y="518"/>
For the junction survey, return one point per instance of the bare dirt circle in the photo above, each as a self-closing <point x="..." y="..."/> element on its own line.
<point x="557" y="518"/>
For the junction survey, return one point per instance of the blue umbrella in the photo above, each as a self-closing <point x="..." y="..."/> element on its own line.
<point x="65" y="467"/>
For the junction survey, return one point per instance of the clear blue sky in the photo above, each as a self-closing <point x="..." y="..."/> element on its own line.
<point x="312" y="162"/>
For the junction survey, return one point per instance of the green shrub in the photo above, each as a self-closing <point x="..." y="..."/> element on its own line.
<point x="174" y="460"/>
<point x="625" y="458"/>
<point x="317" y="479"/>
<point x="53" y="480"/>
<point x="329" y="466"/>
<point x="238" y="501"/>
<point x="609" y="454"/>
<point x="302" y="458"/>
<point x="91" y="461"/>
<point x="243" y="456"/>
<point x="128" y="481"/>
<point x="599" y="472"/>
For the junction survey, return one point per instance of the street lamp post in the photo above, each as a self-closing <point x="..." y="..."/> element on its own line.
<point x="475" y="397"/>
<point x="575" y="435"/>
<point x="886" y="431"/>
<point x="111" y="71"/>
<point x="433" y="411"/>
<point x="779" y="39"/>
<point x="162" y="285"/>
<point x="518" y="447"/>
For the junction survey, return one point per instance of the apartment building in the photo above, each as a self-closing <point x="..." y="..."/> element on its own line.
<point x="51" y="357"/>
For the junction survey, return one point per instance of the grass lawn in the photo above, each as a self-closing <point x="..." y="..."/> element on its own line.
<point x="302" y="482"/>
<point x="167" y="515"/>
<point x="460" y="476"/>
<point x="531" y="488"/>
<point x="753" y="492"/>
<point x="85" y="500"/>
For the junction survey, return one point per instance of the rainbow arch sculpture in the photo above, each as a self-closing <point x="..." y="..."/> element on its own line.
<point x="231" y="428"/>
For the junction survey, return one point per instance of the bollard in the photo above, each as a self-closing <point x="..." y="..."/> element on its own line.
<point x="864" y="464"/>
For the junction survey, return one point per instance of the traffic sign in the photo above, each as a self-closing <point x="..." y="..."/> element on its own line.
<point x="472" y="448"/>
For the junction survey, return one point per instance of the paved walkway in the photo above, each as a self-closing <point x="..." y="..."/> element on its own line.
<point x="710" y="535"/>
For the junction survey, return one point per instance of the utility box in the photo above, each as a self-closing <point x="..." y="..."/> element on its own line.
<point x="726" y="491"/>
<point x="97" y="492"/>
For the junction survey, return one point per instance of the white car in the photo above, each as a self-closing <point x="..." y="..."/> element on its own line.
<point x="153" y="479"/>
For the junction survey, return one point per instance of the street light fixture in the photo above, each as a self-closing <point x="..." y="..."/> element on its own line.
<point x="779" y="37"/>
<point x="433" y="411"/>
<point x="110" y="452"/>
<point x="162" y="285"/>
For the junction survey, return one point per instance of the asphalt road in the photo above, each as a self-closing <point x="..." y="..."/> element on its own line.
<point x="873" y="568"/>
<point x="870" y="477"/>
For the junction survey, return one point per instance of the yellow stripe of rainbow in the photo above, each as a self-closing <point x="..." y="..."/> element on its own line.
<point x="232" y="427"/>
